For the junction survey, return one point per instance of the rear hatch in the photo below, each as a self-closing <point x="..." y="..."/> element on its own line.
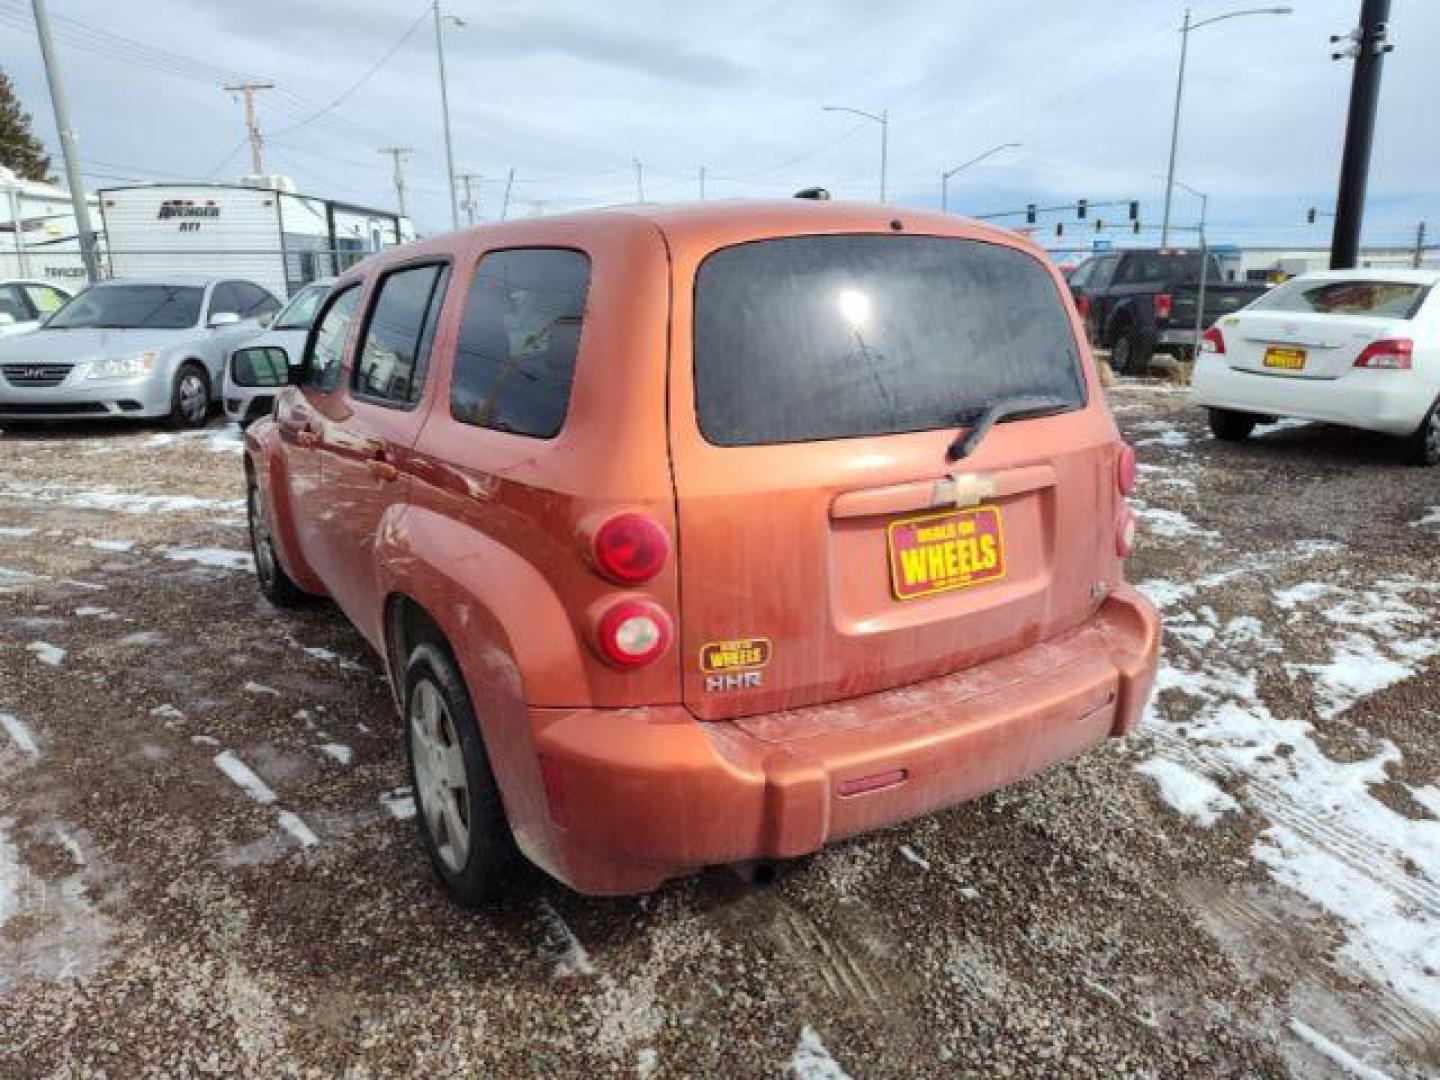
<point x="827" y="546"/>
<point x="1309" y="329"/>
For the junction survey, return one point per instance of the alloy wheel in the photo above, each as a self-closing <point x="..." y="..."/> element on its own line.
<point x="194" y="400"/>
<point x="260" y="544"/>
<point x="442" y="785"/>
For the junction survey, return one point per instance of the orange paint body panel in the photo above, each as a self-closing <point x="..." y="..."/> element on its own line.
<point x="864" y="631"/>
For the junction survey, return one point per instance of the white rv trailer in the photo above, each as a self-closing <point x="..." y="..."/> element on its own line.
<point x="260" y="229"/>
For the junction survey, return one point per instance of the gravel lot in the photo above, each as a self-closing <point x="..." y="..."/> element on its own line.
<point x="205" y="865"/>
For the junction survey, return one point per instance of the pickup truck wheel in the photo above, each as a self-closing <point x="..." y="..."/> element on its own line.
<point x="1424" y="445"/>
<point x="190" y="397"/>
<point x="1130" y="355"/>
<point x="462" y="821"/>
<point x="274" y="582"/>
<point x="1230" y="426"/>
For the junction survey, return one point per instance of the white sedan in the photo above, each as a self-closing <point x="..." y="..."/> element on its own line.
<point x="1354" y="347"/>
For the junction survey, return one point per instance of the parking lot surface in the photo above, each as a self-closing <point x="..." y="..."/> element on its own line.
<point x="207" y="866"/>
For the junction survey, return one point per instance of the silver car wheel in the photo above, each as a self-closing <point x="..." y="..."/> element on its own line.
<point x="440" y="777"/>
<point x="194" y="398"/>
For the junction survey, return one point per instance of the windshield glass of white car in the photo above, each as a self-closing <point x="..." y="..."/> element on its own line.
<point x="300" y="312"/>
<point x="131" y="307"/>
<point x="1383" y="299"/>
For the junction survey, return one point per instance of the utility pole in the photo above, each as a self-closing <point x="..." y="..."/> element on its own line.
<point x="398" y="153"/>
<point x="67" y="143"/>
<point x="639" y="181"/>
<point x="1419" y="257"/>
<point x="469" y="204"/>
<point x="509" y="184"/>
<point x="445" y="106"/>
<point x="1367" y="44"/>
<point x="252" y="124"/>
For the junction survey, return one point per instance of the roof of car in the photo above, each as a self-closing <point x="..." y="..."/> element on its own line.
<point x="1402" y="274"/>
<point x="170" y="279"/>
<point x="32" y="281"/>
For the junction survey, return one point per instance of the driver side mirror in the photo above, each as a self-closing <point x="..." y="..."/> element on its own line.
<point x="265" y="318"/>
<point x="224" y="318"/>
<point x="264" y="365"/>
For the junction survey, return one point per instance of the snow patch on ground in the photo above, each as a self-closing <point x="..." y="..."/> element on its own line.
<point x="1170" y="524"/>
<point x="20" y="735"/>
<point x="399" y="804"/>
<point x="107" y="545"/>
<point x="46" y="653"/>
<point x="1348" y="1063"/>
<point x="253" y="687"/>
<point x="1431" y="518"/>
<point x="119" y="501"/>
<point x="244" y="777"/>
<point x="218" y="558"/>
<point x="17" y="532"/>
<point x="10" y="874"/>
<point x="296" y="827"/>
<point x="1191" y="794"/>
<point x="811" y="1061"/>
<point x="337" y="751"/>
<point x="570" y="956"/>
<point x="916" y="858"/>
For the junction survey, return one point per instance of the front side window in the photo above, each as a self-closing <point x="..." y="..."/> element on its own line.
<point x="45" y="298"/>
<point x="830" y="337"/>
<point x="254" y="301"/>
<point x="1384" y="299"/>
<point x="132" y="307"/>
<point x="225" y="298"/>
<point x="395" y="350"/>
<point x="515" y="357"/>
<point x="326" y="347"/>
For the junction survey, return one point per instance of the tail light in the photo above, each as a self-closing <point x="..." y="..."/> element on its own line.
<point x="1212" y="341"/>
<point x="1082" y="305"/>
<point x="632" y="633"/>
<point x="1125" y="531"/>
<point x="630" y="548"/>
<point x="1164" y="304"/>
<point x="1390" y="354"/>
<point x="1125" y="469"/>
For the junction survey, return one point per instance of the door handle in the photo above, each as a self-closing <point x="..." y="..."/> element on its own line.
<point x="383" y="471"/>
<point x="307" y="437"/>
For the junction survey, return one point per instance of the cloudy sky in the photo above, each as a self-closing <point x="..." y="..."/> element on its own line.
<point x="570" y="94"/>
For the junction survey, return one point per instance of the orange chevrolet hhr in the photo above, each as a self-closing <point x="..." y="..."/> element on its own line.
<point x="709" y="534"/>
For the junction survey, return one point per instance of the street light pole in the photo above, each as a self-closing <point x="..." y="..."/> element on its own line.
<point x="445" y="109"/>
<point x="945" y="176"/>
<point x="883" y="119"/>
<point x="67" y="144"/>
<point x="1186" y="29"/>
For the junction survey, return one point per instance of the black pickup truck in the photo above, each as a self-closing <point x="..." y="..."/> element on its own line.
<point x="1135" y="301"/>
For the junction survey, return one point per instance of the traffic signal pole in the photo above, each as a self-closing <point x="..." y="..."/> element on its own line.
<point x="1368" y="46"/>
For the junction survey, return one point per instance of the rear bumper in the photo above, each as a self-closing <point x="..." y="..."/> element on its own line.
<point x="637" y="796"/>
<point x="1392" y="402"/>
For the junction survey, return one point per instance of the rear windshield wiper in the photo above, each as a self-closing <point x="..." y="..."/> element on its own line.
<point x="1010" y="408"/>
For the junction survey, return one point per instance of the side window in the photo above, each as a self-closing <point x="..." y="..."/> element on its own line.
<point x="12" y="303"/>
<point x="395" y="352"/>
<point x="326" y="346"/>
<point x="44" y="299"/>
<point x="254" y="301"/>
<point x="1104" y="271"/>
<point x="1081" y="277"/>
<point x="515" y="357"/>
<point x="225" y="298"/>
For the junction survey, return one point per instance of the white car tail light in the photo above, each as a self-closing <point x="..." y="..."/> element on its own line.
<point x="1388" y="354"/>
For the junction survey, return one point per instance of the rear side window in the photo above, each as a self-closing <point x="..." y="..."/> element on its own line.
<point x="45" y="298"/>
<point x="515" y="357"/>
<point x="830" y="337"/>
<point x="1385" y="299"/>
<point x="326" y="345"/>
<point x="396" y="349"/>
<point x="254" y="301"/>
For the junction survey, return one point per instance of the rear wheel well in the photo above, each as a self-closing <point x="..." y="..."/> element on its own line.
<point x="407" y="624"/>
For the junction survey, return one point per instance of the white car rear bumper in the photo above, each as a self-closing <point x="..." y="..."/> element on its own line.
<point x="1393" y="402"/>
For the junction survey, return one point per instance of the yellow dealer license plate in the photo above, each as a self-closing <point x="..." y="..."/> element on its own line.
<point x="1277" y="356"/>
<point x="935" y="553"/>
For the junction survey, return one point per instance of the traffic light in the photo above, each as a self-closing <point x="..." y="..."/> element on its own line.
<point x="1030" y="214"/>
<point x="1135" y="210"/>
<point x="1310" y="216"/>
<point x="1135" y="226"/>
<point x="1059" y="228"/>
<point x="1099" y="225"/>
<point x="1080" y="208"/>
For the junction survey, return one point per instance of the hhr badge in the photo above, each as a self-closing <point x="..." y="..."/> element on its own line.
<point x="734" y="665"/>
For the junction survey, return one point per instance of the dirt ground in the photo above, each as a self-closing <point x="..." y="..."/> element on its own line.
<point x="206" y="866"/>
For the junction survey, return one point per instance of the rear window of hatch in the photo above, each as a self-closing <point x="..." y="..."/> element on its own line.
<point x="809" y="338"/>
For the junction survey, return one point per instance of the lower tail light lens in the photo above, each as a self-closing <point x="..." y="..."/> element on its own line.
<point x="632" y="633"/>
<point x="1212" y="341"/>
<point x="1125" y="531"/>
<point x="1390" y="354"/>
<point x="1125" y="469"/>
<point x="631" y="548"/>
<point x="1164" y="304"/>
<point x="1082" y="305"/>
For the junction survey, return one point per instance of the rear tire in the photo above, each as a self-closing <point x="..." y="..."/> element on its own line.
<point x="1230" y="426"/>
<point x="1423" y="447"/>
<point x="457" y="802"/>
<point x="277" y="586"/>
<point x="190" y="397"/>
<point x="1131" y="352"/>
